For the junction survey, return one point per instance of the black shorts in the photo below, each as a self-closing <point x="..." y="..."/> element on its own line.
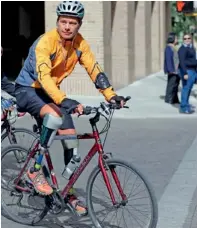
<point x="32" y="100"/>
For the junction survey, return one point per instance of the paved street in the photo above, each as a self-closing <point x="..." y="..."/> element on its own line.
<point x="156" y="138"/>
<point x="162" y="149"/>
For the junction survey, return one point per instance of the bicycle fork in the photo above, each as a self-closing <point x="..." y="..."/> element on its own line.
<point x="104" y="167"/>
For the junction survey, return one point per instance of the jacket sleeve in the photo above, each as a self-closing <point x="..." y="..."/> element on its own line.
<point x="43" y="70"/>
<point x="87" y="60"/>
<point x="7" y="86"/>
<point x="182" y="59"/>
<point x="169" y="60"/>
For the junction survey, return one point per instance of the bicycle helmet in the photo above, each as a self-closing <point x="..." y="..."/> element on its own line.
<point x="70" y="8"/>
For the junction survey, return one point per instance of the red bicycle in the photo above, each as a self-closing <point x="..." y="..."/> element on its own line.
<point x="113" y="185"/>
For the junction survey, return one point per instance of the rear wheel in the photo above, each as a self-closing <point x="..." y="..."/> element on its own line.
<point x="138" y="211"/>
<point x="25" y="207"/>
<point x="21" y="136"/>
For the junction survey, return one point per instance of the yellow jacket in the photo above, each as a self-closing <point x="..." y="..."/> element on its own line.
<point x="50" y="61"/>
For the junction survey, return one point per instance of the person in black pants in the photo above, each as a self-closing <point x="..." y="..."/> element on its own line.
<point x="171" y="63"/>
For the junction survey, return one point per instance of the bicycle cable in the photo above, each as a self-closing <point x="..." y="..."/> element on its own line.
<point x="109" y="124"/>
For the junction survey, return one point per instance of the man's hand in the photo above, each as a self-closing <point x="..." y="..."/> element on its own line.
<point x="67" y="104"/>
<point x="79" y="109"/>
<point x="118" y="100"/>
<point x="185" y="76"/>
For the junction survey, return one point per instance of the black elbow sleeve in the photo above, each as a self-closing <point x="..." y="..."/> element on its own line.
<point x="102" y="81"/>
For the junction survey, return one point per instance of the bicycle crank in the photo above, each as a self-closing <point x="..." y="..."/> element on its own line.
<point x="55" y="203"/>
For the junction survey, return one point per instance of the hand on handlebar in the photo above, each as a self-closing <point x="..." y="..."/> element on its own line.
<point x="71" y="106"/>
<point x="79" y="109"/>
<point x="7" y="104"/>
<point x="120" y="101"/>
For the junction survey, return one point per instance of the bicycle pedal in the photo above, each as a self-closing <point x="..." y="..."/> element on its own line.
<point x="14" y="193"/>
<point x="72" y="210"/>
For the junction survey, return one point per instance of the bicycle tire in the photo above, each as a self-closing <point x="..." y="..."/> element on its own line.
<point x="5" y="211"/>
<point x="92" y="177"/>
<point x="23" y="130"/>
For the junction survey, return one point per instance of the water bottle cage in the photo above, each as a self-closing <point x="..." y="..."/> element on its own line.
<point x="71" y="167"/>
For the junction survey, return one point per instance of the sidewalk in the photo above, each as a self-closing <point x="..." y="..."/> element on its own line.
<point x="147" y="99"/>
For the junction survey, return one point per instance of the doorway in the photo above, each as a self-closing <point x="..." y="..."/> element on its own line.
<point x="21" y="24"/>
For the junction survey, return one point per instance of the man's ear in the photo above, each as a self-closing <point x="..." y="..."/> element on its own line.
<point x="80" y="23"/>
<point x="57" y="21"/>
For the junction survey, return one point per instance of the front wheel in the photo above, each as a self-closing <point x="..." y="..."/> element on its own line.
<point x="139" y="210"/>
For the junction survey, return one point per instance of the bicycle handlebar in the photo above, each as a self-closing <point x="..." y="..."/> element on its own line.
<point x="103" y="107"/>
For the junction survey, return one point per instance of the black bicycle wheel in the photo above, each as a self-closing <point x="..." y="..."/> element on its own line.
<point x="29" y="208"/>
<point x="99" y="210"/>
<point x="21" y="136"/>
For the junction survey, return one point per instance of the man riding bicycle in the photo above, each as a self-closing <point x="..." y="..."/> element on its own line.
<point x="51" y="58"/>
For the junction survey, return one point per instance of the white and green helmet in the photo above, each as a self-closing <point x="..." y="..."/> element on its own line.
<point x="70" y="8"/>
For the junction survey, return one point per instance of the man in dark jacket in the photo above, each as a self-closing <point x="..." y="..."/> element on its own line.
<point x="171" y="63"/>
<point x="6" y="85"/>
<point x="188" y="72"/>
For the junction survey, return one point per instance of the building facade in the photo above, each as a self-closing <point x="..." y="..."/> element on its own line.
<point x="127" y="37"/>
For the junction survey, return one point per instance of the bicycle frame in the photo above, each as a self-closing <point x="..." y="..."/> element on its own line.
<point x="5" y="126"/>
<point x="97" y="147"/>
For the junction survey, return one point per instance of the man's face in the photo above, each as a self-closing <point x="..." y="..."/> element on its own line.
<point x="187" y="39"/>
<point x="68" y="27"/>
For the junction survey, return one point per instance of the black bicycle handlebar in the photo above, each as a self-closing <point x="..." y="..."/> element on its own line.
<point x="87" y="110"/>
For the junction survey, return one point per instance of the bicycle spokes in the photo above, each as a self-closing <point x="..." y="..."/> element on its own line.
<point x="133" y="206"/>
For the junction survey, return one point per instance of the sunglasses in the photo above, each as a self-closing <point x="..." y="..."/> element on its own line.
<point x="187" y="38"/>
